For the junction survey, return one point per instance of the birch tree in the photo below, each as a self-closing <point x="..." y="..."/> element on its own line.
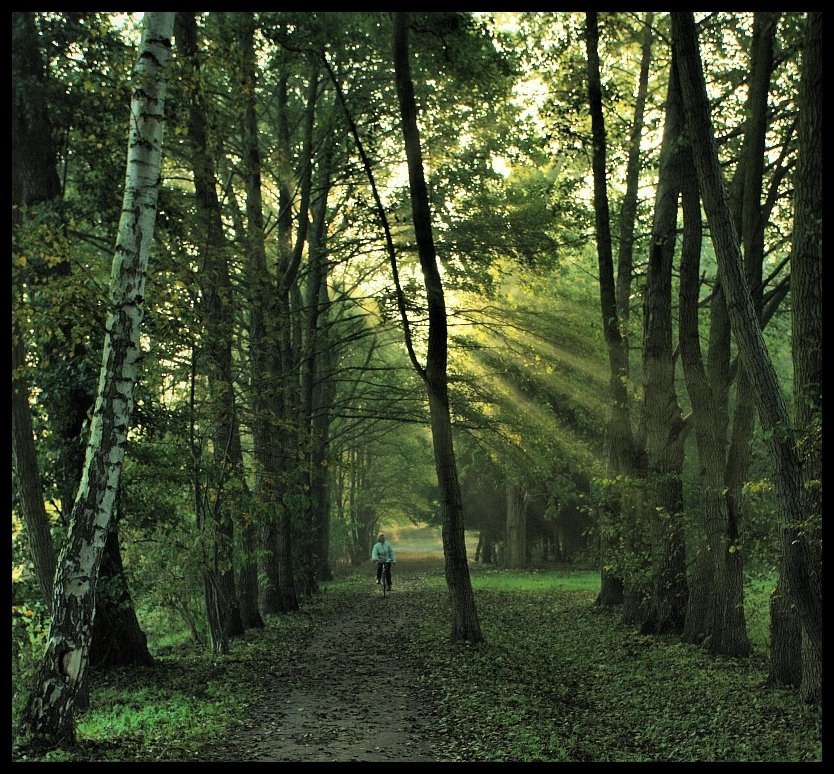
<point x="47" y="719"/>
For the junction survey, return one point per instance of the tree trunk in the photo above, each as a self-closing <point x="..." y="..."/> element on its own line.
<point x="317" y="387"/>
<point x="750" y="221"/>
<point x="801" y="570"/>
<point x="47" y="718"/>
<point x="785" y="667"/>
<point x="34" y="175"/>
<point x="628" y="212"/>
<point x="27" y="473"/>
<point x="259" y="300"/>
<point x="750" y="217"/>
<point x="700" y="607"/>
<point x="117" y="639"/>
<point x="516" y="527"/>
<point x="34" y="180"/>
<point x="663" y="424"/>
<point x="69" y="405"/>
<point x="634" y="594"/>
<point x="227" y="470"/>
<point x="719" y="606"/>
<point x="806" y="318"/>
<point x="296" y="532"/>
<point x="619" y="441"/>
<point x="465" y="625"/>
<point x="283" y="374"/>
<point x="247" y="578"/>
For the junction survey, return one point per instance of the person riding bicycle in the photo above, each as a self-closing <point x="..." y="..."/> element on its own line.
<point x="383" y="552"/>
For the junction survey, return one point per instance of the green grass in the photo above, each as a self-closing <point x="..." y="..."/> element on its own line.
<point x="151" y="713"/>
<point x="512" y="581"/>
<point x="757" y="591"/>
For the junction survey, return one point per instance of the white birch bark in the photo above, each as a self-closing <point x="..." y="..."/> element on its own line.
<point x="48" y="717"/>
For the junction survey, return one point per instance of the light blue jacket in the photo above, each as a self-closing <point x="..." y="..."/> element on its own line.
<point x="383" y="552"/>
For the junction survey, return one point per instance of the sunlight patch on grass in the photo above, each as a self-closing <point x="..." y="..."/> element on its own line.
<point x="425" y="541"/>
<point x="528" y="580"/>
<point x="410" y="539"/>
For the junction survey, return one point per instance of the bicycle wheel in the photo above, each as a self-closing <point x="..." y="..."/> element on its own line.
<point x="383" y="583"/>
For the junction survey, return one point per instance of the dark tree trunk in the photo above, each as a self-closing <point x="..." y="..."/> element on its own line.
<point x="283" y="375"/>
<point x="227" y="471"/>
<point x="488" y="539"/>
<point x="619" y="441"/>
<point x="247" y="578"/>
<point x="800" y="568"/>
<point x="716" y="616"/>
<point x="700" y="606"/>
<point x="750" y="220"/>
<point x="27" y="473"/>
<point x="261" y="331"/>
<point x="750" y="217"/>
<point x="516" y="556"/>
<point x="785" y="667"/>
<point x="296" y="531"/>
<point x="663" y="424"/>
<point x="34" y="181"/>
<point x="34" y="174"/>
<point x="317" y="387"/>
<point x="628" y="212"/>
<point x="269" y="593"/>
<point x="465" y="625"/>
<point x="635" y="594"/>
<point x="117" y="639"/>
<point x="319" y="480"/>
<point x="806" y="319"/>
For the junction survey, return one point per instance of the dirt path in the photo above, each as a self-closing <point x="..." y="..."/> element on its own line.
<point x="345" y="698"/>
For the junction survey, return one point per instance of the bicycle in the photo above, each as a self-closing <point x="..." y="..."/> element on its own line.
<point x="385" y="578"/>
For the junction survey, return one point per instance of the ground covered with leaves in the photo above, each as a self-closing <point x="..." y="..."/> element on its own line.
<point x="355" y="677"/>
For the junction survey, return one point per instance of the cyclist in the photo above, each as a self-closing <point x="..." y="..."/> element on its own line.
<point x="383" y="552"/>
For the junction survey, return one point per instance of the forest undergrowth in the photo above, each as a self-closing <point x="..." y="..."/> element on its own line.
<point x="557" y="679"/>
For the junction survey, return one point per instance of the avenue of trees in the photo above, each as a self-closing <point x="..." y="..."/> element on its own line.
<point x="550" y="277"/>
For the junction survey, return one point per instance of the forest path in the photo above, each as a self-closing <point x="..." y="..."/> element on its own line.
<point x="347" y="695"/>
